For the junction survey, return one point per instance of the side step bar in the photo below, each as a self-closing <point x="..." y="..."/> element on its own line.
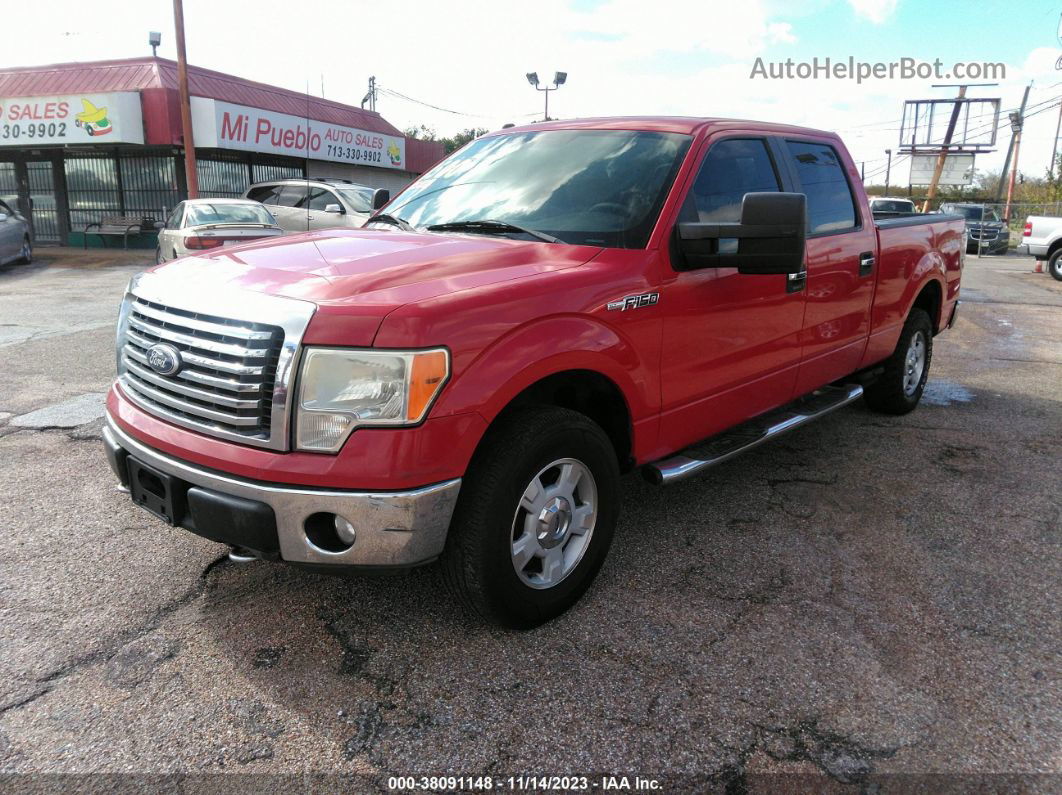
<point x="753" y="433"/>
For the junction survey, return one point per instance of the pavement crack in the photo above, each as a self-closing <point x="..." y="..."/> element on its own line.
<point x="125" y="637"/>
<point x="4" y="708"/>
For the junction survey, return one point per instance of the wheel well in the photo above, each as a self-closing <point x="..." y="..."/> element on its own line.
<point x="589" y="393"/>
<point x="930" y="300"/>
<point x="1054" y="247"/>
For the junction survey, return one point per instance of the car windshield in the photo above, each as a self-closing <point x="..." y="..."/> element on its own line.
<point x="974" y="213"/>
<point x="585" y="187"/>
<point x="359" y="200"/>
<point x="225" y="213"/>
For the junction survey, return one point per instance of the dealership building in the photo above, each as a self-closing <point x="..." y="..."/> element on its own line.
<point x="80" y="142"/>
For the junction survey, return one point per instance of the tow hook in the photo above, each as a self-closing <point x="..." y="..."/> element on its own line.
<point x="241" y="555"/>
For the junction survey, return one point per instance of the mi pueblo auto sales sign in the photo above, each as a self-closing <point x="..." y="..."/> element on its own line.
<point x="72" y="119"/>
<point x="222" y="125"/>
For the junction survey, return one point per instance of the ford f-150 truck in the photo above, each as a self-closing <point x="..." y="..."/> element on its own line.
<point x="1042" y="238"/>
<point x="468" y="377"/>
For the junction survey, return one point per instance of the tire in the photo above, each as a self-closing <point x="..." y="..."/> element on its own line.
<point x="1054" y="265"/>
<point x="26" y="255"/>
<point x="158" y="256"/>
<point x="493" y="562"/>
<point x="900" y="388"/>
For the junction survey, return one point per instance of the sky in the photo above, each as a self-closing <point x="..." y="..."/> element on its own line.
<point x="468" y="58"/>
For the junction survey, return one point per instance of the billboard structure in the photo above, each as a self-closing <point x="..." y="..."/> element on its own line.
<point x="958" y="124"/>
<point x="957" y="170"/>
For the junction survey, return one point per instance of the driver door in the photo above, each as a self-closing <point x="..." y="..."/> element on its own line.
<point x="731" y="347"/>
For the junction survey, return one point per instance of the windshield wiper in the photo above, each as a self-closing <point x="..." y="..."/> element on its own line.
<point x="488" y="225"/>
<point x="394" y="220"/>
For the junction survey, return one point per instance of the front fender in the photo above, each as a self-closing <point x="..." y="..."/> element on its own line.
<point x="533" y="351"/>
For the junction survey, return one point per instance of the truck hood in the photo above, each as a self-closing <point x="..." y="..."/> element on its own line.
<point x="373" y="267"/>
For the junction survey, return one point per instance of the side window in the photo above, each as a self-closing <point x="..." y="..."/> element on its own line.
<point x="321" y="198"/>
<point x="732" y="168"/>
<point x="174" y="221"/>
<point x="266" y="194"/>
<point x="822" y="179"/>
<point x="292" y="196"/>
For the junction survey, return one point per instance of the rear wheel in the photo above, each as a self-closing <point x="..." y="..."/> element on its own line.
<point x="26" y="253"/>
<point x="1054" y="265"/>
<point x="158" y="256"/>
<point x="535" y="517"/>
<point x="900" y="387"/>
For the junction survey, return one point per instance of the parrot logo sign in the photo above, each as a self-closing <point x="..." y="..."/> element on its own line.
<point x="93" y="119"/>
<point x="395" y="154"/>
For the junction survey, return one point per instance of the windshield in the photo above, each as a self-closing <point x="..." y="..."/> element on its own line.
<point x="585" y="187"/>
<point x="890" y="206"/>
<point x="974" y="213"/>
<point x="199" y="214"/>
<point x="360" y="201"/>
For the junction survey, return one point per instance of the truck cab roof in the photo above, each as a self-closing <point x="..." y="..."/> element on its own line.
<point x="687" y="125"/>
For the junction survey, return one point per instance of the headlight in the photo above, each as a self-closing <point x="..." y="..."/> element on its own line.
<point x="341" y="389"/>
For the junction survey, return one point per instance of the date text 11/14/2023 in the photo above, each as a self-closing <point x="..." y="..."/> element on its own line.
<point x="525" y="783"/>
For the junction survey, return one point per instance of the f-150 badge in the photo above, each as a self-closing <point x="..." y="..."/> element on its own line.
<point x="633" y="302"/>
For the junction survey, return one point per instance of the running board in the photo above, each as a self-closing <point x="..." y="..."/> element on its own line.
<point x="753" y="433"/>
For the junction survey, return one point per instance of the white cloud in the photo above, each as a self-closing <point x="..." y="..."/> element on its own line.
<point x="877" y="11"/>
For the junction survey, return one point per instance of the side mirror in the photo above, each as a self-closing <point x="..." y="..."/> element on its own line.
<point x="160" y="224"/>
<point x="380" y="197"/>
<point x="768" y="239"/>
<point x="4" y="217"/>
<point x="333" y="208"/>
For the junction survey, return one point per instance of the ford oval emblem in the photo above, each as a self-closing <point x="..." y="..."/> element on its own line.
<point x="164" y="359"/>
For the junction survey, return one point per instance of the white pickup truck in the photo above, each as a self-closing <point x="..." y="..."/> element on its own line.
<point x="1043" y="239"/>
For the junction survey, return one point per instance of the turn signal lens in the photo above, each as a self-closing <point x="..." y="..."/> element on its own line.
<point x="427" y="375"/>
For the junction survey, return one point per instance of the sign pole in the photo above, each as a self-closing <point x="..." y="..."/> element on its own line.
<point x="186" y="108"/>
<point x="944" y="149"/>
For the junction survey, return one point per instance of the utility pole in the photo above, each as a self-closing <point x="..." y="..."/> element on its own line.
<point x="943" y="156"/>
<point x="1054" y="149"/>
<point x="1010" y="149"/>
<point x="370" y="97"/>
<point x="186" y="108"/>
<point x="888" y="169"/>
<point x="1017" y="120"/>
<point x="863" y="171"/>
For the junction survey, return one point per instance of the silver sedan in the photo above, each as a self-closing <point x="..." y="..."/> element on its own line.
<point x="199" y="225"/>
<point x="16" y="243"/>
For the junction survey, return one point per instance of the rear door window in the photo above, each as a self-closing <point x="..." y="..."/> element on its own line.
<point x="292" y="196"/>
<point x="822" y="178"/>
<point x="320" y="198"/>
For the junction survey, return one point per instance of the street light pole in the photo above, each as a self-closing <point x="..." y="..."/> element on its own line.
<point x="888" y="169"/>
<point x="191" y="178"/>
<point x="559" y="79"/>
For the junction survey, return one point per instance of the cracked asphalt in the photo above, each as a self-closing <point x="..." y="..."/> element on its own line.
<point x="867" y="596"/>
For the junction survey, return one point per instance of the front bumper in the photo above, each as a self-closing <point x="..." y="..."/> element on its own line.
<point x="393" y="529"/>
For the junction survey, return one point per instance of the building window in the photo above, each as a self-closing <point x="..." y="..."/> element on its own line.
<point x="149" y="186"/>
<point x="268" y="172"/>
<point x="92" y="190"/>
<point x="221" y="178"/>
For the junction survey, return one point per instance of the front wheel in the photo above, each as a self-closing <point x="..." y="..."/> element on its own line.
<point x="1054" y="265"/>
<point x="535" y="517"/>
<point x="26" y="253"/>
<point x="159" y="259"/>
<point x="900" y="387"/>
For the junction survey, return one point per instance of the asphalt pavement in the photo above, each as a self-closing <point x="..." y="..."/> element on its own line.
<point x="867" y="597"/>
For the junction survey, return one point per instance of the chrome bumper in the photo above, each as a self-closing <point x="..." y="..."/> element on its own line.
<point x="393" y="529"/>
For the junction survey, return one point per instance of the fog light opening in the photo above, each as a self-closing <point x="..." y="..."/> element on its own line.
<point x="329" y="532"/>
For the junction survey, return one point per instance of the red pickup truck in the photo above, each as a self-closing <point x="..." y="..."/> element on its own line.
<point x="468" y="377"/>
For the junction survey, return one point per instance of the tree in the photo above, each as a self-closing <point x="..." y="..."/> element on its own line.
<point x="424" y="133"/>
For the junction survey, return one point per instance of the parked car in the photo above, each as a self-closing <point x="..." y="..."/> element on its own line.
<point x="1042" y="238"/>
<point x="886" y="206"/>
<point x="991" y="233"/>
<point x="467" y="377"/>
<point x="16" y="240"/>
<point x="203" y="224"/>
<point x="302" y="204"/>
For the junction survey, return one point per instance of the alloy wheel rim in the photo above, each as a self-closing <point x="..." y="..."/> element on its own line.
<point x="554" y="523"/>
<point x="27" y="250"/>
<point x="914" y="363"/>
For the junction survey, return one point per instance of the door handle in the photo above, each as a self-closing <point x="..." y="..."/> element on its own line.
<point x="795" y="282"/>
<point x="866" y="263"/>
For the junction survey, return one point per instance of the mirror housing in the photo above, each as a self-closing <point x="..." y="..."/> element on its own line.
<point x="770" y="237"/>
<point x="159" y="225"/>
<point x="333" y="208"/>
<point x="380" y="197"/>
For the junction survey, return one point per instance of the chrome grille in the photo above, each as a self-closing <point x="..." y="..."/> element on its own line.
<point x="228" y="377"/>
